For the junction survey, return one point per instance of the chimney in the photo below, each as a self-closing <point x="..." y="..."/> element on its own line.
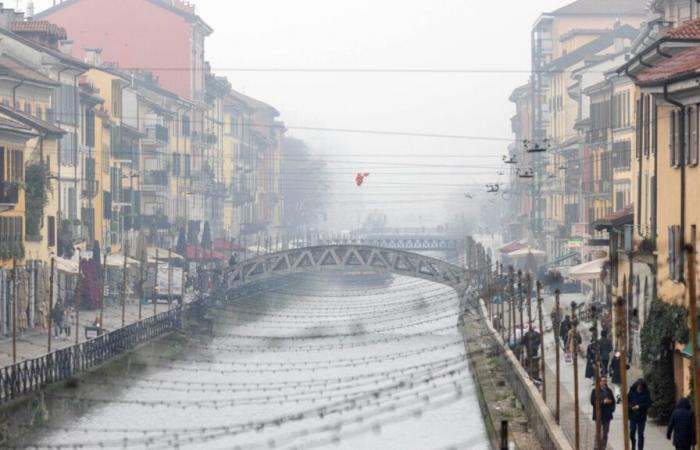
<point x="93" y="56"/>
<point x="65" y="46"/>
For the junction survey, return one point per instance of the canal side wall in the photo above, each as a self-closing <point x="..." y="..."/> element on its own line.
<point x="25" y="385"/>
<point x="542" y="421"/>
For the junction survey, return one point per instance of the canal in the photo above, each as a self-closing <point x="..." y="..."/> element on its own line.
<point x="309" y="361"/>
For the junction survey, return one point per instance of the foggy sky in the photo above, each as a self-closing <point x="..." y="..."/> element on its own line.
<point x="406" y="181"/>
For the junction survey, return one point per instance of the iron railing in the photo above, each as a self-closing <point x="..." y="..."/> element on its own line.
<point x="31" y="375"/>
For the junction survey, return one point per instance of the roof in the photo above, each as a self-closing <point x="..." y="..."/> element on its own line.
<point x="13" y="68"/>
<point x="12" y="126"/>
<point x="685" y="62"/>
<point x="689" y="30"/>
<point x="67" y="59"/>
<point x="252" y="102"/>
<point x="621" y="217"/>
<point x="39" y="26"/>
<point x="603" y="8"/>
<point x="32" y="122"/>
<point x="597" y="45"/>
<point x="176" y="6"/>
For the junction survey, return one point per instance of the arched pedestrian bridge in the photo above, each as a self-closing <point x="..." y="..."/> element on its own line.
<point x="399" y="242"/>
<point x="347" y="259"/>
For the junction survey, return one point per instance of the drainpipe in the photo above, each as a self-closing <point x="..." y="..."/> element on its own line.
<point x="682" y="168"/>
<point x="14" y="93"/>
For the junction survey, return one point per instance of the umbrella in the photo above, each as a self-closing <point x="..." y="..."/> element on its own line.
<point x="588" y="271"/>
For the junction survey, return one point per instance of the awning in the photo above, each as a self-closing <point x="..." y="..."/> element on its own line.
<point x="588" y="271"/>
<point x="526" y="252"/>
<point x="511" y="247"/>
<point x="162" y="254"/>
<point x="67" y="266"/>
<point x="197" y="253"/>
<point x="117" y="260"/>
<point x="688" y="349"/>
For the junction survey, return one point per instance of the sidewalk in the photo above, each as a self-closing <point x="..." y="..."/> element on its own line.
<point x="34" y="343"/>
<point x="655" y="436"/>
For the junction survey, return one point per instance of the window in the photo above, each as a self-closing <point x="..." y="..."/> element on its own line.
<point x="676" y="138"/>
<point x="107" y="205"/>
<point x="647" y="128"/>
<point x="65" y="106"/>
<point x="116" y="98"/>
<point x="89" y="128"/>
<point x="185" y="125"/>
<point x="52" y="231"/>
<point x="691" y="156"/>
<point x="28" y="108"/>
<point x="640" y="125"/>
<point x="176" y="164"/>
<point x="622" y="155"/>
<point x="188" y="166"/>
<point x="675" y="253"/>
<point x="69" y="152"/>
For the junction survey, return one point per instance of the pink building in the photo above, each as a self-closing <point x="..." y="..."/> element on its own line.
<point x="165" y="37"/>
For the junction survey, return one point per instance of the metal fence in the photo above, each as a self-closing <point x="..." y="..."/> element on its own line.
<point x="31" y="375"/>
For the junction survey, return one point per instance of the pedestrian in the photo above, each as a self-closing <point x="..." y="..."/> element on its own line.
<point x="67" y="321"/>
<point x="682" y="426"/>
<point x="555" y="317"/>
<point x="616" y="374"/>
<point x="531" y="342"/>
<point x="564" y="330"/>
<point x="57" y="318"/>
<point x="605" y="348"/>
<point x="590" y="362"/>
<point x="573" y="341"/>
<point x="639" y="401"/>
<point x="607" y="407"/>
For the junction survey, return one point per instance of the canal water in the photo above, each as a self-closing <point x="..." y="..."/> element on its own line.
<point x="311" y="361"/>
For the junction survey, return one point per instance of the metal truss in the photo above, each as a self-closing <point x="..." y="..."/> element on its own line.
<point x="401" y="243"/>
<point x="347" y="259"/>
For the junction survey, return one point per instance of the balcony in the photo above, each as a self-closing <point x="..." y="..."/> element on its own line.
<point x="9" y="195"/>
<point x="156" y="135"/>
<point x="155" y="180"/>
<point x="90" y="188"/>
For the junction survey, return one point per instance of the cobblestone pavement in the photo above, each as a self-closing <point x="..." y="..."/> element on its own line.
<point x="655" y="435"/>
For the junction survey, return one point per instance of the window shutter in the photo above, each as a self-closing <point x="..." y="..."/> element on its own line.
<point x="638" y="146"/>
<point x="673" y="153"/>
<point x="671" y="253"/>
<point x="694" y="137"/>
<point x="654" y="126"/>
<point x="647" y="125"/>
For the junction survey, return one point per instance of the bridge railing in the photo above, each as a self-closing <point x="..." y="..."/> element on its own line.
<point x="31" y="375"/>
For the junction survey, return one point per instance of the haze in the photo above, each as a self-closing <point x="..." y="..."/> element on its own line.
<point x="412" y="177"/>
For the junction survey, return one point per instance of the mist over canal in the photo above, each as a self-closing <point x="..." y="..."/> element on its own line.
<point x="311" y="361"/>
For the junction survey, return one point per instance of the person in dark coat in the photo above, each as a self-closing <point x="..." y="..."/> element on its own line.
<point x="615" y="372"/>
<point x="564" y="330"/>
<point x="606" y="347"/>
<point x="590" y="362"/>
<point x="682" y="426"/>
<point x="607" y="407"/>
<point x="639" y="401"/>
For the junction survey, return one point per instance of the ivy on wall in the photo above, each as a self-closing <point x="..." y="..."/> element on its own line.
<point x="666" y="325"/>
<point x="37" y="190"/>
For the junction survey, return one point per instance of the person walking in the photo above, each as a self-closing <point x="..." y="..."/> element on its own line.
<point x="57" y="318"/>
<point x="639" y="401"/>
<point x="67" y="321"/>
<point x="607" y="408"/>
<point x="590" y="363"/>
<point x="564" y="331"/>
<point x="682" y="426"/>
<point x="605" y="347"/>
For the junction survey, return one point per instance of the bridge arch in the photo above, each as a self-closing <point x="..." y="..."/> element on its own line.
<point x="347" y="259"/>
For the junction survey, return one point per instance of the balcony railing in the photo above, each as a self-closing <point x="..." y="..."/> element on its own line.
<point x="9" y="193"/>
<point x="155" y="179"/>
<point x="90" y="188"/>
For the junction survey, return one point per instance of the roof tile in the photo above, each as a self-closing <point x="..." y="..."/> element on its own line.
<point x="39" y="26"/>
<point x="689" y="30"/>
<point x="682" y="63"/>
